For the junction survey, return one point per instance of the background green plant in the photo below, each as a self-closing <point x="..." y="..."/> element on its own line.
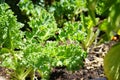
<point x="110" y="25"/>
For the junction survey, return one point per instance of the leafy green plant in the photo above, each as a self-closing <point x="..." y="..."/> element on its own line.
<point x="40" y="21"/>
<point x="91" y="34"/>
<point x="11" y="38"/>
<point x="15" y="43"/>
<point x="65" y="10"/>
<point x="109" y="9"/>
<point x="72" y="31"/>
<point x="101" y="8"/>
<point x="28" y="51"/>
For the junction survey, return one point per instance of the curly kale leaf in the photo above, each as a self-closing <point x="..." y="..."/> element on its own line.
<point x="42" y="23"/>
<point x="9" y="29"/>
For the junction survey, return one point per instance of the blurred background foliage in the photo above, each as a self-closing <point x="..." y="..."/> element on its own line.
<point x="70" y="10"/>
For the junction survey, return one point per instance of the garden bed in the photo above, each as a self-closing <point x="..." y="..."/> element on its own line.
<point x="92" y="69"/>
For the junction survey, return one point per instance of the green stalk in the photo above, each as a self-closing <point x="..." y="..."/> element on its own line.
<point x="24" y="74"/>
<point x="32" y="74"/>
<point x="90" y="39"/>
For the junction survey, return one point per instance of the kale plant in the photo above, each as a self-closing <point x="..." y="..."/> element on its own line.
<point x="27" y="51"/>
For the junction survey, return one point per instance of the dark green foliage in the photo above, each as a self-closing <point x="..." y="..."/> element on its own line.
<point x="101" y="8"/>
<point x="66" y="10"/>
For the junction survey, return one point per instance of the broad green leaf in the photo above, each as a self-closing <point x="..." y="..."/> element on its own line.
<point x="115" y="17"/>
<point x="112" y="63"/>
